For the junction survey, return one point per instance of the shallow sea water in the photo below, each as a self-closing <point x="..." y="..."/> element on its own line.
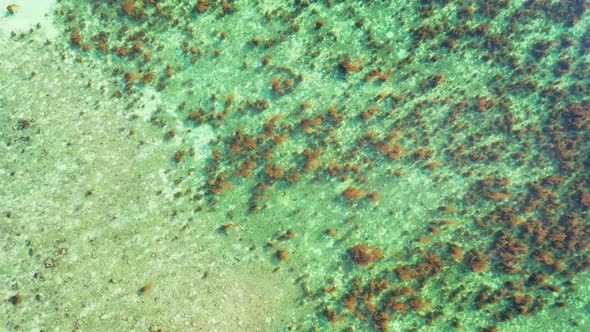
<point x="294" y="165"/>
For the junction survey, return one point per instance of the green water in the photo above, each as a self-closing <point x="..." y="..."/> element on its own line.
<point x="294" y="165"/>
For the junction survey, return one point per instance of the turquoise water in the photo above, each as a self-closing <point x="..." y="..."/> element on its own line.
<point x="297" y="165"/>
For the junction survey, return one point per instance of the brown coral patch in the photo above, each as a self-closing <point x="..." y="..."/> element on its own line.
<point x="405" y="272"/>
<point x="477" y="262"/>
<point x="354" y="193"/>
<point x="202" y="6"/>
<point x="364" y="255"/>
<point x="576" y="116"/>
<point x="128" y="7"/>
<point x="312" y="159"/>
<point x="348" y="66"/>
<point x="308" y="125"/>
<point x="282" y="254"/>
<point x="274" y="171"/>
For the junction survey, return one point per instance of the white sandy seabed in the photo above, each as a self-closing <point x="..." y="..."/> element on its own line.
<point x="27" y="14"/>
<point x="75" y="144"/>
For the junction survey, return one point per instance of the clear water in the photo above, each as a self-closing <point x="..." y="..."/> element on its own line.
<point x="297" y="165"/>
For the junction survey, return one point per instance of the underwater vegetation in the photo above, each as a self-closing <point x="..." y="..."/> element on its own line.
<point x="489" y="100"/>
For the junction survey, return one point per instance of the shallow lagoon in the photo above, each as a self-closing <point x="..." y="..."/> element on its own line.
<point x="301" y="165"/>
